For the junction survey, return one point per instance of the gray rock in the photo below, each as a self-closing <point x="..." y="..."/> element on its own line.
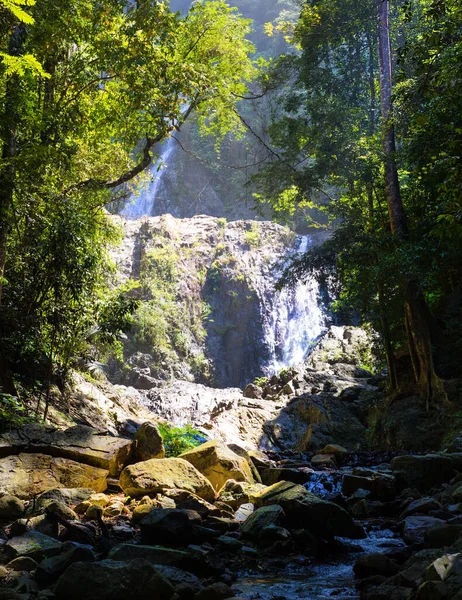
<point x="414" y="528"/>
<point x="112" y="580"/>
<point x="148" y="443"/>
<point x="153" y="554"/>
<point x="51" y="568"/>
<point x="34" y="544"/>
<point x="262" y="517"/>
<point x="424" y="472"/>
<point x="375" y="564"/>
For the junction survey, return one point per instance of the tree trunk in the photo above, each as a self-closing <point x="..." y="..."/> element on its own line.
<point x="417" y="315"/>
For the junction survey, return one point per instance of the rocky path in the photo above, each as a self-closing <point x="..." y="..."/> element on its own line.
<point x="91" y="516"/>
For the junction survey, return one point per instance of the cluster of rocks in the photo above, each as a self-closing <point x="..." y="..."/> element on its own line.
<point x="87" y="515"/>
<point x="423" y="494"/>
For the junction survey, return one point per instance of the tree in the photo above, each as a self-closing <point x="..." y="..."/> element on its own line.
<point x="330" y="151"/>
<point x="120" y="77"/>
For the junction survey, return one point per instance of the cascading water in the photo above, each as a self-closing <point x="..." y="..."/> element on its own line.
<point x="143" y="203"/>
<point x="294" y="321"/>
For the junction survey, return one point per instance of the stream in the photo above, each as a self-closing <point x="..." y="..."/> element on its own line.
<point x="315" y="580"/>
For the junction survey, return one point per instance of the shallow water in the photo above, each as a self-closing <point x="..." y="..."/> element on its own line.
<point x="316" y="581"/>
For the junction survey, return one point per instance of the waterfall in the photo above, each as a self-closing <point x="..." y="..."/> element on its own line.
<point x="294" y="320"/>
<point x="143" y="202"/>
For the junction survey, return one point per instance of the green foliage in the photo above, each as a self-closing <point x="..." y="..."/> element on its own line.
<point x="12" y="413"/>
<point x="179" y="439"/>
<point x="252" y="237"/>
<point x="261" y="381"/>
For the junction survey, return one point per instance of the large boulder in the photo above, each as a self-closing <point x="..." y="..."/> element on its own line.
<point x="424" y="472"/>
<point x="26" y="475"/>
<point x="305" y="510"/>
<point x="79" y="443"/>
<point x="218" y="463"/>
<point x="170" y="526"/>
<point x="112" y="580"/>
<point x="148" y="443"/>
<point x="159" y="474"/>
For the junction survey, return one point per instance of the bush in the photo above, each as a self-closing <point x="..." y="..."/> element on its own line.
<point x="12" y="413"/>
<point x="180" y="439"/>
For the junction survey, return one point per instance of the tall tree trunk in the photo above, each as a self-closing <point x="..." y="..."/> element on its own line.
<point x="417" y="315"/>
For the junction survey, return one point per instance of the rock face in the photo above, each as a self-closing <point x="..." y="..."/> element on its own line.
<point x="218" y="463"/>
<point x="157" y="475"/>
<point x="219" y="266"/>
<point x="79" y="443"/>
<point x="26" y="475"/>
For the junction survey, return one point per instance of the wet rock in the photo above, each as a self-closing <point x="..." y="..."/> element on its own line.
<point x="111" y="580"/>
<point x="305" y="510"/>
<point x="229" y="544"/>
<point x="414" y="528"/>
<point x="216" y="591"/>
<point x="382" y="486"/>
<point x="178" y="577"/>
<point x="148" y="443"/>
<point x="154" y="554"/>
<point x="26" y="475"/>
<point x="79" y="443"/>
<point x="275" y="540"/>
<point x="386" y="592"/>
<point x="375" y="564"/>
<point x="51" y="568"/>
<point x="422" y="506"/>
<point x="32" y="544"/>
<point x="218" y="463"/>
<point x="424" y="472"/>
<point x="244" y="512"/>
<point x="262" y="517"/>
<point x="444" y="535"/>
<point x="172" y="526"/>
<point x="11" y="507"/>
<point x="157" y="475"/>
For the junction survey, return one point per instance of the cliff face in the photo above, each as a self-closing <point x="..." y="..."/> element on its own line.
<point x="207" y="292"/>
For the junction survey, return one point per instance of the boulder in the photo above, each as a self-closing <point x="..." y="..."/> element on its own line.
<point x="375" y="564"/>
<point x="34" y="544"/>
<point x="112" y="580"/>
<point x="339" y="452"/>
<point x="218" y="463"/>
<point x="262" y="517"/>
<point x="320" y="461"/>
<point x="421" y="506"/>
<point x="235" y="493"/>
<point x="11" y="507"/>
<point x="178" y="577"/>
<point x="414" y="528"/>
<point x="424" y="472"/>
<point x="215" y="591"/>
<point x="305" y="510"/>
<point x="53" y="567"/>
<point x="170" y="525"/>
<point x="253" y="391"/>
<point x="26" y="475"/>
<point x="381" y="485"/>
<point x="442" y="535"/>
<point x="159" y="474"/>
<point x="79" y="443"/>
<point x="148" y="443"/>
<point x="154" y="554"/>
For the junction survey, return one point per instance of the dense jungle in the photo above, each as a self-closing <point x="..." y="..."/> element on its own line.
<point x="230" y="300"/>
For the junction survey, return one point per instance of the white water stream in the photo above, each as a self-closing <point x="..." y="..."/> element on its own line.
<point x="295" y="320"/>
<point x="143" y="203"/>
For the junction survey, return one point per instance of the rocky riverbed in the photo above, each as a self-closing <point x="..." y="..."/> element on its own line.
<point x="91" y="516"/>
